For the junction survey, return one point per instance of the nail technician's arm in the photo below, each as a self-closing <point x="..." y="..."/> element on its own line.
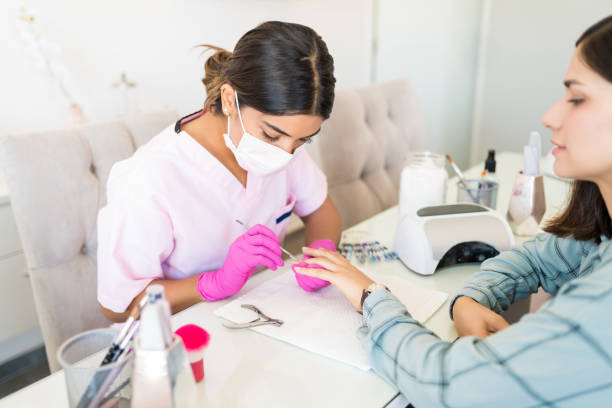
<point x="257" y="246"/>
<point x="135" y="240"/>
<point x="180" y="293"/>
<point x="323" y="223"/>
<point x="135" y="237"/>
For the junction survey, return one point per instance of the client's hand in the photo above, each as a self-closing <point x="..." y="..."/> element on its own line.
<point x="473" y="319"/>
<point x="337" y="270"/>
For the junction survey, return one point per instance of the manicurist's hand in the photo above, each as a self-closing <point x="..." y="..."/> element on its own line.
<point x="473" y="319"/>
<point x="337" y="270"/>
<point x="258" y="246"/>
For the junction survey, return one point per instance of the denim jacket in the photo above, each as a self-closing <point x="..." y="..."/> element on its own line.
<point x="560" y="356"/>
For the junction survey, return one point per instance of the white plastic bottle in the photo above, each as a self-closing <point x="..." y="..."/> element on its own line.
<point x="150" y="384"/>
<point x="162" y="375"/>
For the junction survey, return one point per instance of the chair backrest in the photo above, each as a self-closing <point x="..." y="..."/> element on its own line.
<point x="57" y="184"/>
<point x="363" y="146"/>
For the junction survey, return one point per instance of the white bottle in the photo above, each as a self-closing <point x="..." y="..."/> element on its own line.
<point x="162" y="375"/>
<point x="150" y="382"/>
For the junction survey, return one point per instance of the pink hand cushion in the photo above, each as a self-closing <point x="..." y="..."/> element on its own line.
<point x="258" y="246"/>
<point x="308" y="283"/>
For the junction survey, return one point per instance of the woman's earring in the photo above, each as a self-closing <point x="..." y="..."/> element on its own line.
<point x="225" y="112"/>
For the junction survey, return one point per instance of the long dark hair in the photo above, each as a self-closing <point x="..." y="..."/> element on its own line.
<point x="276" y="68"/>
<point x="586" y="216"/>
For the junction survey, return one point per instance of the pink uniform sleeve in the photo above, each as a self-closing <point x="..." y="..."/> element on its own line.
<point x="307" y="182"/>
<point x="135" y="237"/>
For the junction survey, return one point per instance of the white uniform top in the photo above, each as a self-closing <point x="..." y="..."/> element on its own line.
<point x="172" y="208"/>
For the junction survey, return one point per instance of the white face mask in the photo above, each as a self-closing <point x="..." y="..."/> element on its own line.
<point x="255" y="155"/>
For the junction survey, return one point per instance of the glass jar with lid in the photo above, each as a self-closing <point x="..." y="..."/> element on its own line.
<point x="423" y="182"/>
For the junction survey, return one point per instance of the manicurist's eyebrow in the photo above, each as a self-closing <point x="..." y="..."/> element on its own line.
<point x="282" y="132"/>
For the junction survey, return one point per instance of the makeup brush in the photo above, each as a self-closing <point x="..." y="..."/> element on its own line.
<point x="462" y="179"/>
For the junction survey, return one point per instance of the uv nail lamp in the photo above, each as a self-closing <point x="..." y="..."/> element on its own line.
<point x="444" y="235"/>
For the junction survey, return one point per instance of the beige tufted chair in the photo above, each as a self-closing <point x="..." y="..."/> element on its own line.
<point x="57" y="184"/>
<point x="363" y="145"/>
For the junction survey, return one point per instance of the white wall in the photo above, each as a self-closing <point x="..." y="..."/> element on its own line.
<point x="528" y="45"/>
<point x="153" y="42"/>
<point x="435" y="45"/>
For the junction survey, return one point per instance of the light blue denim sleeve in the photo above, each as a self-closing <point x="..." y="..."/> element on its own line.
<point x="545" y="260"/>
<point x="559" y="355"/>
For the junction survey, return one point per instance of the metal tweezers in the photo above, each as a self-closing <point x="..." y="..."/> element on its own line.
<point x="261" y="320"/>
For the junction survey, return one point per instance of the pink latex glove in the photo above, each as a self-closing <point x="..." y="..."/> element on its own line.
<point x="309" y="283"/>
<point x="258" y="246"/>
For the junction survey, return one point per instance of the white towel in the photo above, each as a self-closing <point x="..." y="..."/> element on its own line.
<point x="323" y="322"/>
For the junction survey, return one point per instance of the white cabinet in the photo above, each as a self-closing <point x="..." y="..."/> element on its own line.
<point x="17" y="312"/>
<point x="9" y="239"/>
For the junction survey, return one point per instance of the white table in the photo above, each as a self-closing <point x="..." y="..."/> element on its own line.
<point x="244" y="368"/>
